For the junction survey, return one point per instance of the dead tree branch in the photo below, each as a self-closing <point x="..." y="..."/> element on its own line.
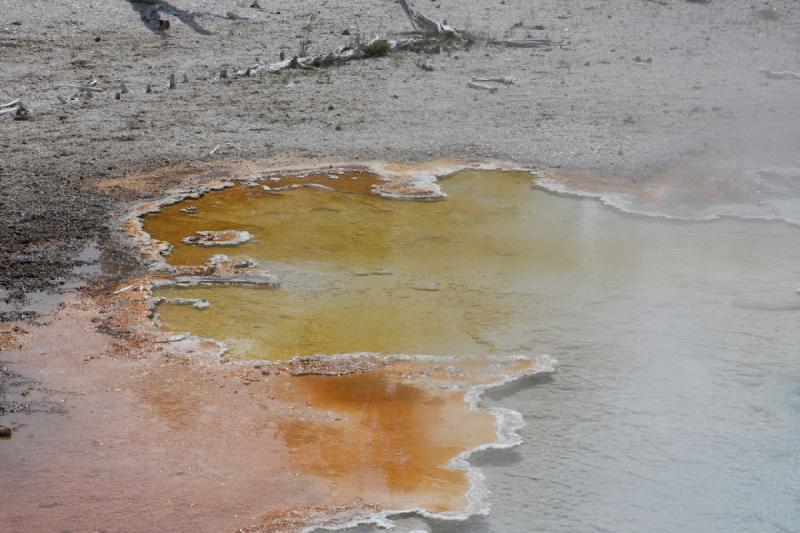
<point x="427" y="25"/>
<point x="433" y="32"/>
<point x="16" y="109"/>
<point x="481" y="87"/>
<point x="781" y="74"/>
<point x="374" y="48"/>
<point x="422" y="23"/>
<point x="505" y="80"/>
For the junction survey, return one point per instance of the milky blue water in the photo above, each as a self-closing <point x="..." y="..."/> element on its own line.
<point x="676" y="405"/>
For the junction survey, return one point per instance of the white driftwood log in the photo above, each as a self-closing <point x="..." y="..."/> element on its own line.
<point x="781" y="74"/>
<point x="425" y="24"/>
<point x="217" y="147"/>
<point x="15" y="108"/>
<point x="481" y="87"/>
<point x="420" y="23"/>
<point x="523" y="43"/>
<point x="505" y="80"/>
<point x="340" y="55"/>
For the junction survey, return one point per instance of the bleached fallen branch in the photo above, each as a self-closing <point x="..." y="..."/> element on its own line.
<point x="375" y="47"/>
<point x="217" y="147"/>
<point x="123" y="289"/>
<point x="523" y="43"/>
<point x="425" y="24"/>
<point x="16" y="109"/>
<point x="781" y="74"/>
<point x="505" y="80"/>
<point x="435" y="32"/>
<point x="481" y="87"/>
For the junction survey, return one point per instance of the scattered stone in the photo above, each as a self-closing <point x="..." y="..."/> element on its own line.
<point x="5" y="432"/>
<point x="172" y="81"/>
<point x="149" y="89"/>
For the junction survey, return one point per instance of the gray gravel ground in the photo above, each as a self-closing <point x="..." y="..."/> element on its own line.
<point x="637" y="85"/>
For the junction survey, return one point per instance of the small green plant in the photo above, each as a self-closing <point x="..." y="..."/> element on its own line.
<point x="377" y="48"/>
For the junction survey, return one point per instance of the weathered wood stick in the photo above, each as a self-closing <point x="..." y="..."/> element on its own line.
<point x="505" y="80"/>
<point x="340" y="55"/>
<point x="523" y="43"/>
<point x="781" y="74"/>
<point x="481" y="87"/>
<point x="426" y="24"/>
<point x="421" y="23"/>
<point x="217" y="147"/>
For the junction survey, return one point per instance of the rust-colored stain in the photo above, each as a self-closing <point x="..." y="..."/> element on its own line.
<point x="173" y="443"/>
<point x="160" y="435"/>
<point x="385" y="440"/>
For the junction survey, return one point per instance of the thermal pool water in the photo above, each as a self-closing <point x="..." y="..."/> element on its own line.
<point x="677" y="401"/>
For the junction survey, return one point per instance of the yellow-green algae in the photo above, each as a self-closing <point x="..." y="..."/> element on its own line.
<point x="477" y="273"/>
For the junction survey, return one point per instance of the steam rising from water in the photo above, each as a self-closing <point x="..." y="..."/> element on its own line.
<point x="704" y="192"/>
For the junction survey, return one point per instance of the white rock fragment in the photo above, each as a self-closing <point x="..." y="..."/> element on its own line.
<point x="228" y="237"/>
